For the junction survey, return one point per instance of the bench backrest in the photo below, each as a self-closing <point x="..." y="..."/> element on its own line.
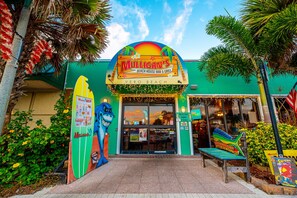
<point x="224" y="141"/>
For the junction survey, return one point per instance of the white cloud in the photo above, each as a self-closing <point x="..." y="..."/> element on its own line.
<point x="128" y="24"/>
<point x="210" y="3"/>
<point x="117" y="37"/>
<point x="166" y="7"/>
<point x="176" y="30"/>
<point x="142" y="26"/>
<point x="202" y="19"/>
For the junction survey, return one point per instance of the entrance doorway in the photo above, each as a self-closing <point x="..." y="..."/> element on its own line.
<point x="148" y="126"/>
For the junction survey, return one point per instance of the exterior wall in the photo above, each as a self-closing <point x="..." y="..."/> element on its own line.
<point x="223" y="85"/>
<point x="227" y="86"/>
<point x="41" y="103"/>
<point x="185" y="135"/>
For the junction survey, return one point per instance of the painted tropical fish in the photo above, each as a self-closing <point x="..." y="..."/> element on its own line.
<point x="225" y="141"/>
<point x="103" y="118"/>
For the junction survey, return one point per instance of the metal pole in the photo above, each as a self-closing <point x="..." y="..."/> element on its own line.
<point x="271" y="110"/>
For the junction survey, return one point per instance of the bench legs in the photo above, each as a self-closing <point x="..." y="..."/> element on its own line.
<point x="225" y="168"/>
<point x="225" y="171"/>
<point x="203" y="161"/>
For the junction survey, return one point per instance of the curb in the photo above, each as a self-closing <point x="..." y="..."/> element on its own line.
<point x="273" y="189"/>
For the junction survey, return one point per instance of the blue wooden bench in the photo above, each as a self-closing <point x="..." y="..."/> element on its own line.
<point x="224" y="157"/>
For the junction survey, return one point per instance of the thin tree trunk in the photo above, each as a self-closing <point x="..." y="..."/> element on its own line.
<point x="12" y="65"/>
<point x="264" y="102"/>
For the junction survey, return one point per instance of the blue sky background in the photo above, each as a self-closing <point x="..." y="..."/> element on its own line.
<point x="180" y="24"/>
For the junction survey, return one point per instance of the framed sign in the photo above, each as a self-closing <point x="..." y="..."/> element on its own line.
<point x="142" y="135"/>
<point x="184" y="116"/>
<point x="285" y="171"/>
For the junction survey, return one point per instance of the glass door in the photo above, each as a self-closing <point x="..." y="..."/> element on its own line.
<point x="162" y="134"/>
<point x="148" y="128"/>
<point x="135" y="129"/>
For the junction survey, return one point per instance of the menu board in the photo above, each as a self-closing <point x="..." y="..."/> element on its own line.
<point x="83" y="111"/>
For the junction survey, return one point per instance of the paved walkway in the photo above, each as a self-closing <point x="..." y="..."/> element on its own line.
<point x="155" y="177"/>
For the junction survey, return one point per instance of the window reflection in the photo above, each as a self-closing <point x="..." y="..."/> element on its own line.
<point x="161" y="115"/>
<point x="135" y="115"/>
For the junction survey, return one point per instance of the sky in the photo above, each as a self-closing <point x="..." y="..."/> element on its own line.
<point x="179" y="24"/>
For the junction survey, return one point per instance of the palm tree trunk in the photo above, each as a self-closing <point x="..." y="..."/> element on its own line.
<point x="264" y="102"/>
<point x="12" y="65"/>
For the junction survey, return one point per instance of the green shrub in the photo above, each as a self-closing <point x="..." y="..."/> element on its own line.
<point x="26" y="154"/>
<point x="262" y="138"/>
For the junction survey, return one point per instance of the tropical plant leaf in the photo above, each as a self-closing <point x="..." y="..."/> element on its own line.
<point x="168" y="52"/>
<point x="273" y="24"/>
<point x="226" y="62"/>
<point x="232" y="33"/>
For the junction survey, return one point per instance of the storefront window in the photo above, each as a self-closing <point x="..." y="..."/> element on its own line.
<point x="285" y="113"/>
<point x="135" y="139"/>
<point x="161" y="115"/>
<point x="162" y="139"/>
<point x="216" y="114"/>
<point x="250" y="112"/>
<point x="199" y="127"/>
<point x="228" y="114"/>
<point x="135" y="115"/>
<point x="233" y="116"/>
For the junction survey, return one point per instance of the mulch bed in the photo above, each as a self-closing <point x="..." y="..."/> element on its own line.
<point x="47" y="181"/>
<point x="263" y="174"/>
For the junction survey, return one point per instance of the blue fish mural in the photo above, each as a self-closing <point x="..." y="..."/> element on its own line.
<point x="103" y="118"/>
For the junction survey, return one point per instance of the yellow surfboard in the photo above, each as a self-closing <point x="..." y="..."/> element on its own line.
<point x="82" y="127"/>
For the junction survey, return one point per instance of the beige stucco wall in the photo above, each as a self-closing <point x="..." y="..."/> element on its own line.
<point x="41" y="103"/>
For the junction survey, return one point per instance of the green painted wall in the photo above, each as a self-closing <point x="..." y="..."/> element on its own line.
<point x="281" y="84"/>
<point x="184" y="134"/>
<point x="96" y="78"/>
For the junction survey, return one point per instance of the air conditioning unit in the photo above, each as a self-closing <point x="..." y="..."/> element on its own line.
<point x="193" y="87"/>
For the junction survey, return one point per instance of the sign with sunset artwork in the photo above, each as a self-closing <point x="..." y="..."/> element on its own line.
<point x="147" y="63"/>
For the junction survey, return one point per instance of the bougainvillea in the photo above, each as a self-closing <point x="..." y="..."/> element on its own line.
<point x="40" y="47"/>
<point x="6" y="31"/>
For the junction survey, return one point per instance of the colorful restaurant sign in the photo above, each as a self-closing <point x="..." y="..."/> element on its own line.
<point x="147" y="63"/>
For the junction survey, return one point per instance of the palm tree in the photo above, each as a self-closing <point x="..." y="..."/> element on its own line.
<point x="274" y="21"/>
<point x="75" y="28"/>
<point x="238" y="56"/>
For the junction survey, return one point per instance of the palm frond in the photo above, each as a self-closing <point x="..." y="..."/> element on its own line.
<point x="283" y="27"/>
<point x="257" y="13"/>
<point x="232" y="33"/>
<point x="226" y="62"/>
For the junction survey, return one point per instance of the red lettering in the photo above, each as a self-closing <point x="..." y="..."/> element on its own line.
<point x="126" y="65"/>
<point x="153" y="65"/>
<point x="167" y="63"/>
<point x="159" y="65"/>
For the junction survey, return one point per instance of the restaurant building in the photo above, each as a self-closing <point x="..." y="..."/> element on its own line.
<point x="162" y="103"/>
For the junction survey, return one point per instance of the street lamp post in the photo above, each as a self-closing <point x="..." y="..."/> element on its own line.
<point x="271" y="109"/>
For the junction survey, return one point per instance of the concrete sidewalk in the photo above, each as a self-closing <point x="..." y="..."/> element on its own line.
<point x="155" y="177"/>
